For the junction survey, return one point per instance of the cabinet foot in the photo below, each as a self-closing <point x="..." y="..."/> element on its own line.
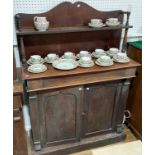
<point x="119" y="128"/>
<point x="37" y="146"/>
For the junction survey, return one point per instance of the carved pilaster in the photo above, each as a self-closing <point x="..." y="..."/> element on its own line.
<point x="17" y="22"/>
<point x="22" y="48"/>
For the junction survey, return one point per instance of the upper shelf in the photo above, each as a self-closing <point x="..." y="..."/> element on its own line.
<point x="31" y="31"/>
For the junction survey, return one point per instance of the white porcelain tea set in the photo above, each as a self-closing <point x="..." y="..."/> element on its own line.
<point x="36" y="62"/>
<point x="35" y="59"/>
<point x="65" y="64"/>
<point x="51" y="57"/>
<point x="83" y="54"/>
<point x="112" y="22"/>
<point x="86" y="61"/>
<point x="121" y="58"/>
<point x="41" y="23"/>
<point x="98" y="23"/>
<point x="104" y="60"/>
<point x="69" y="55"/>
<point x="37" y="68"/>
<point x="112" y="51"/>
<point x="68" y="60"/>
<point x="117" y="55"/>
<point x="98" y="53"/>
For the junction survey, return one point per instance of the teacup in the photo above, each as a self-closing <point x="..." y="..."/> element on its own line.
<point x="51" y="56"/>
<point x="96" y="21"/>
<point x="40" y="19"/>
<point x="99" y="51"/>
<point x="121" y="55"/>
<point x="113" y="20"/>
<point x="84" y="54"/>
<point x="85" y="60"/>
<point x="69" y="55"/>
<point x="104" y="58"/>
<point x="114" y="50"/>
<point x="35" y="58"/>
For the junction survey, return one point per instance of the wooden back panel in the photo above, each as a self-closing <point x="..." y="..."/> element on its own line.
<point x="69" y="15"/>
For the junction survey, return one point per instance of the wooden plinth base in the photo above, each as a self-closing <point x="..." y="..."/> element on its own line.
<point x="86" y="143"/>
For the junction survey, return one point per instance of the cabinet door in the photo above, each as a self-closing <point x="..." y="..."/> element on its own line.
<point x="59" y="116"/>
<point x="99" y="104"/>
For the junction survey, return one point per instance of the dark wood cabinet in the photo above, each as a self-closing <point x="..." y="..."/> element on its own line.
<point x="71" y="114"/>
<point x="81" y="108"/>
<point x="59" y="116"/>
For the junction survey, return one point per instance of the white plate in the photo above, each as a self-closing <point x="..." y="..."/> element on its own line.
<point x="50" y="62"/>
<point x="91" y="64"/>
<point x="97" y="55"/>
<point x="121" y="60"/>
<point x="96" y="25"/>
<point x="112" y="24"/>
<point x="104" y="64"/>
<point x="32" y="63"/>
<point x="37" y="68"/>
<point x="65" y="64"/>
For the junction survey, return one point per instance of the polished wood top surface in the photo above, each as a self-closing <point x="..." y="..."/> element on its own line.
<point x="52" y="72"/>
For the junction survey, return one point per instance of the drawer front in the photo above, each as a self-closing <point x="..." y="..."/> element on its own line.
<point x="75" y="80"/>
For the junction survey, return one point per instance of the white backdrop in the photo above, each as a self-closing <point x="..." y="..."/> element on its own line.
<point x="134" y="6"/>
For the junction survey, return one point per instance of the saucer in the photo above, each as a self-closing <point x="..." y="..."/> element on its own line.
<point x="37" y="68"/>
<point x="112" y="24"/>
<point x="65" y="64"/>
<point x="50" y="62"/>
<point x="96" y="25"/>
<point x="91" y="64"/>
<point x="126" y="60"/>
<point x="32" y="63"/>
<point x="97" y="55"/>
<point x="103" y="63"/>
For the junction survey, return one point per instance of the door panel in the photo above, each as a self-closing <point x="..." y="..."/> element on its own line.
<point x="60" y="118"/>
<point x="99" y="107"/>
<point x="59" y="114"/>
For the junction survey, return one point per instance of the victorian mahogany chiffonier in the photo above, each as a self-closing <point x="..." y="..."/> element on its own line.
<point x="81" y="108"/>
